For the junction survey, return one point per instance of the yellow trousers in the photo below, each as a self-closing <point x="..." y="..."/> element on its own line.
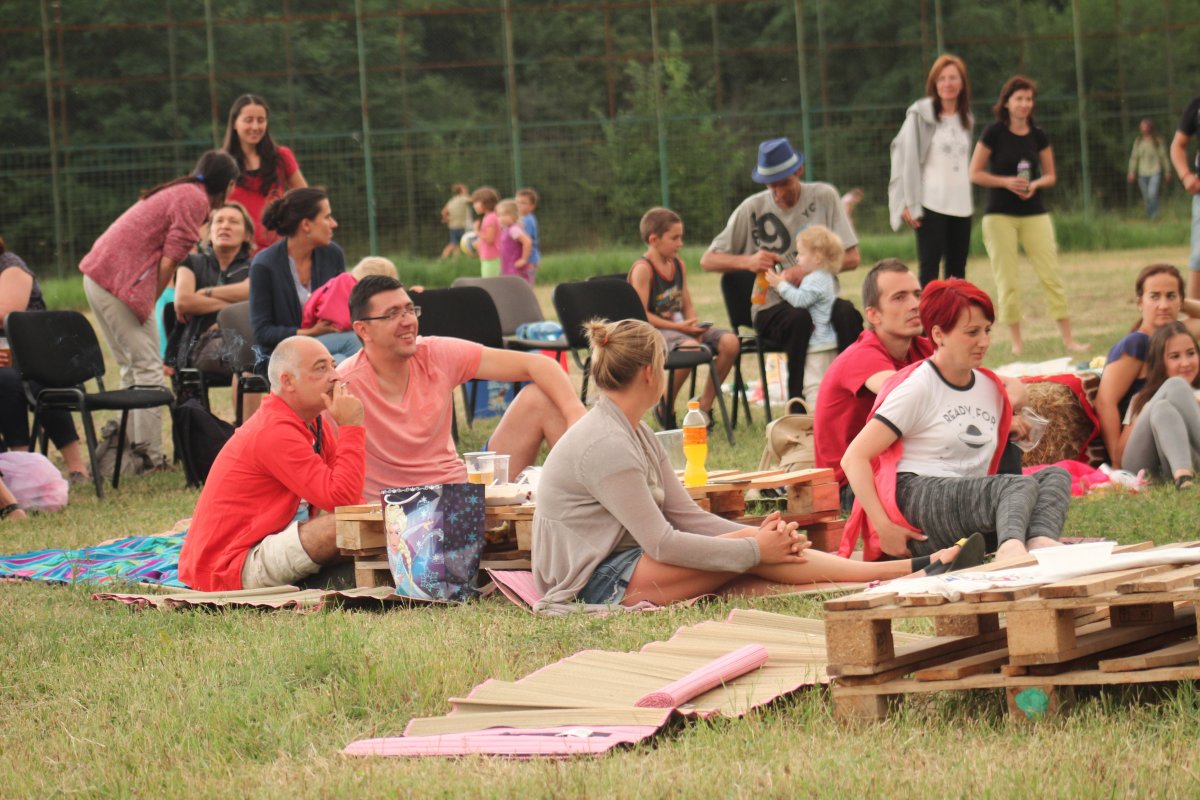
<point x="1002" y="235"/>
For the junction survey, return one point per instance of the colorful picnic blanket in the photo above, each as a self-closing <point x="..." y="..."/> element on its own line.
<point x="136" y="559"/>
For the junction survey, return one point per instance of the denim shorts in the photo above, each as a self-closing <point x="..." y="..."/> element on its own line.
<point x="609" y="581"/>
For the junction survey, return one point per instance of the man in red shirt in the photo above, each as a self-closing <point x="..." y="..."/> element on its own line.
<point x="892" y="341"/>
<point x="244" y="533"/>
<point x="406" y="384"/>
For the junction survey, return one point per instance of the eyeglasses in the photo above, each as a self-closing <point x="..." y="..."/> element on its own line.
<point x="395" y="313"/>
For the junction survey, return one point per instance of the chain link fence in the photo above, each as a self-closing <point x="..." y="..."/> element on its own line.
<point x="606" y="108"/>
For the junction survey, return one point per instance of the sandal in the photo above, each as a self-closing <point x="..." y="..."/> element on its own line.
<point x="972" y="551"/>
<point x="1185" y="482"/>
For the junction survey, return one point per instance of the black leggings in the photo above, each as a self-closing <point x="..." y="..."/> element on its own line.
<point x="941" y="235"/>
<point x="14" y="416"/>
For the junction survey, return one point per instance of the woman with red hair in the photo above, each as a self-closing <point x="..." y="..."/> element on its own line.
<point x="923" y="469"/>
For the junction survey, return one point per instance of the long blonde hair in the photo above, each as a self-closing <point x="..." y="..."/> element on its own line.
<point x="620" y="349"/>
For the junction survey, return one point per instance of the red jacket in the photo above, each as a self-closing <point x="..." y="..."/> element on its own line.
<point x="884" y="469"/>
<point x="330" y="302"/>
<point x="256" y="484"/>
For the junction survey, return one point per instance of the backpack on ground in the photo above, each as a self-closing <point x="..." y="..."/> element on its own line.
<point x="199" y="437"/>
<point x="789" y="440"/>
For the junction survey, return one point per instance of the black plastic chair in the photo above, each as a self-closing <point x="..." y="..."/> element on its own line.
<point x="58" y="351"/>
<point x="517" y="305"/>
<point x="234" y="320"/>
<point x="463" y="312"/>
<point x="613" y="300"/>
<point x="736" y="288"/>
<point x="611" y="276"/>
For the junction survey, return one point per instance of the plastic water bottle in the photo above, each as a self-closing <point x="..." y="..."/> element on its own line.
<point x="1024" y="170"/>
<point x="695" y="445"/>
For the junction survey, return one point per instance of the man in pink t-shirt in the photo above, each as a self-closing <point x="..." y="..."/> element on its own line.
<point x="406" y="384"/>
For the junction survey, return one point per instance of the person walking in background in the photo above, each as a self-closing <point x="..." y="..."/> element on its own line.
<point x="485" y="199"/>
<point x="456" y="215"/>
<point x="1189" y="124"/>
<point x="1149" y="165"/>
<point x="527" y="203"/>
<point x="132" y="262"/>
<point x="1014" y="160"/>
<point x="267" y="169"/>
<point x="930" y="187"/>
<point x="515" y="244"/>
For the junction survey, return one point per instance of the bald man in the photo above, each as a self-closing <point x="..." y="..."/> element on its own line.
<point x="246" y="532"/>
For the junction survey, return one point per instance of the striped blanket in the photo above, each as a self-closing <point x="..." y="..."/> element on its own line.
<point x="136" y="559"/>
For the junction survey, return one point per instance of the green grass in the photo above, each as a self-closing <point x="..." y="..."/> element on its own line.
<point x="101" y="701"/>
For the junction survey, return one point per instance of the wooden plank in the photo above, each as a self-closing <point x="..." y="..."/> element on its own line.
<point x="1108" y="599"/>
<point x="354" y="534"/>
<point x="1185" y="652"/>
<point x="859" y="602"/>
<point x="966" y="626"/>
<point x="363" y="513"/>
<point x="915" y="656"/>
<point x="524" y="533"/>
<point x="809" y="498"/>
<point x="1090" y="585"/>
<point x="1178" y="578"/>
<point x="369" y="577"/>
<point x="825" y="536"/>
<point x="1001" y="681"/>
<point x="1100" y="640"/>
<point x="922" y="600"/>
<point x="1142" y="614"/>
<point x="987" y="661"/>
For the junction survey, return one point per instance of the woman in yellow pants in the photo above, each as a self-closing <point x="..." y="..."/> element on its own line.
<point x="1013" y="159"/>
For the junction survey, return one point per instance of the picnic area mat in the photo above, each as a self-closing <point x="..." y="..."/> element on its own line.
<point x="135" y="559"/>
<point x="588" y="703"/>
<point x="271" y="598"/>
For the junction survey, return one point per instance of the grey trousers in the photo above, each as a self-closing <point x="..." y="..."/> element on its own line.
<point x="1001" y="507"/>
<point x="1166" y="434"/>
<point x="134" y="345"/>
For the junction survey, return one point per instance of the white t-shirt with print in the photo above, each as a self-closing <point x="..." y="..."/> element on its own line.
<point x="945" y="184"/>
<point x="947" y="431"/>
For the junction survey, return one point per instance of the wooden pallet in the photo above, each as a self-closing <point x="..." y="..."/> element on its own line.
<point x="360" y="535"/>
<point x="1123" y="627"/>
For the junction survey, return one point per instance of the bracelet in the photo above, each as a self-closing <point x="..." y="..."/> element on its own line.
<point x="8" y="509"/>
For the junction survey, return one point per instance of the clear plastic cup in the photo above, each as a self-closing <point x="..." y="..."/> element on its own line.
<point x="1037" y="429"/>
<point x="481" y="467"/>
<point x="672" y="442"/>
<point x="500" y="469"/>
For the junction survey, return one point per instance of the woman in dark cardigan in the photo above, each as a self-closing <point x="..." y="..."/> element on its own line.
<point x="284" y="275"/>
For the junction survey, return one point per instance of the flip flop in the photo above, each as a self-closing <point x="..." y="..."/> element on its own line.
<point x="972" y="552"/>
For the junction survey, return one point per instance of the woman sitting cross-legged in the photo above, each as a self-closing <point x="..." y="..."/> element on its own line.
<point x="923" y="468"/>
<point x="614" y="525"/>
<point x="1162" y="430"/>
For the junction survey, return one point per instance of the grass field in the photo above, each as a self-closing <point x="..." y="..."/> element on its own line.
<point x="106" y="702"/>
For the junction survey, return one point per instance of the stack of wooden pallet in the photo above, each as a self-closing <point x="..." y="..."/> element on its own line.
<point x="1036" y="643"/>
<point x="810" y="499"/>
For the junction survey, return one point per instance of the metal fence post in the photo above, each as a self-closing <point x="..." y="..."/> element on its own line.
<point x="664" y="181"/>
<point x="212" y="70"/>
<point x="1080" y="90"/>
<point x="54" y="177"/>
<point x="802" y="68"/>
<point x="510" y="81"/>
<point x="368" y="167"/>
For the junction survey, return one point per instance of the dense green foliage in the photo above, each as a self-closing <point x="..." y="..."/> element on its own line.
<point x="135" y="99"/>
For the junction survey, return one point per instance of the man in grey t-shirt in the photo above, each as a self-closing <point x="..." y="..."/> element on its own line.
<point x="764" y="227"/>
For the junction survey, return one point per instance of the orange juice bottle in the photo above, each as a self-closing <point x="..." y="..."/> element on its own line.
<point x="695" y="445"/>
<point x="761" y="287"/>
